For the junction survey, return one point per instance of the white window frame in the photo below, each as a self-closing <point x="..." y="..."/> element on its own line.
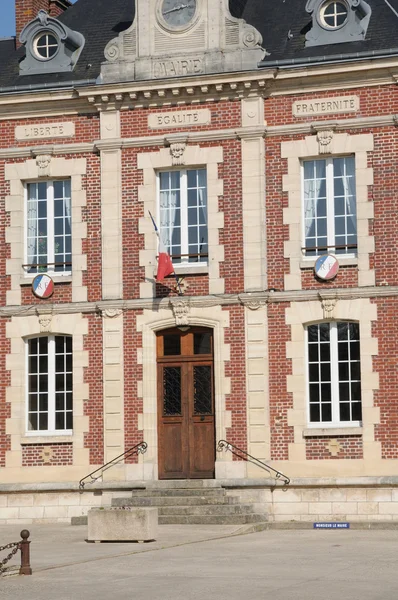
<point x="50" y="431"/>
<point x="184" y="214"/>
<point x="325" y="6"/>
<point x="330" y="210"/>
<point x="334" y="375"/>
<point x="50" y="269"/>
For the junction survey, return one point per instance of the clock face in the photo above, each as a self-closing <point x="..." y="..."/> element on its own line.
<point x="178" y="13"/>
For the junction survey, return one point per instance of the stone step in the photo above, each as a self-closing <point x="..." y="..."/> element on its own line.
<point x="226" y="509"/>
<point x="211" y="519"/>
<point x="175" y="501"/>
<point x="179" y="492"/>
<point x="183" y="483"/>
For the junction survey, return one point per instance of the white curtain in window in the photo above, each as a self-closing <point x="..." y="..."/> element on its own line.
<point x="67" y="209"/>
<point x="349" y="192"/>
<point x="33" y="208"/>
<point x="168" y="205"/>
<point x="312" y="190"/>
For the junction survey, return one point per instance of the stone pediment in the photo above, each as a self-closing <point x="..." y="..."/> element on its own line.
<point x="177" y="38"/>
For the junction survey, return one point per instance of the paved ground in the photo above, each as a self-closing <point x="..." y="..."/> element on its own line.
<point x="195" y="562"/>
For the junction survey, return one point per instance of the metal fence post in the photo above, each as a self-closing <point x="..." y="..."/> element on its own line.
<point x="25" y="553"/>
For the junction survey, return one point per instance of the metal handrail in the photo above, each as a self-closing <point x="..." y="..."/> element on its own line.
<point x="224" y="445"/>
<point x="140" y="448"/>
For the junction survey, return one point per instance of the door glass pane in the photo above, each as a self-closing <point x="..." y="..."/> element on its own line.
<point x="171" y="391"/>
<point x="202" y="343"/>
<point x="202" y="390"/>
<point x="171" y="345"/>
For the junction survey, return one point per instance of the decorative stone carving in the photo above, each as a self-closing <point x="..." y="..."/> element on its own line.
<point x="177" y="152"/>
<point x="334" y="447"/>
<point x="325" y="139"/>
<point x="47" y="454"/>
<point x="255" y="304"/>
<point x="252" y="303"/>
<point x="111" y="313"/>
<point x="43" y="161"/>
<point x="328" y="305"/>
<point x="250" y="36"/>
<point x="112" y="51"/>
<point x="181" y="310"/>
<point x="200" y="48"/>
<point x="45" y="319"/>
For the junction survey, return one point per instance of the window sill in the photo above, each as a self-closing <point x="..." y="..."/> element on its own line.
<point x="191" y="269"/>
<point x="344" y="261"/>
<point x="67" y="438"/>
<point x="332" y="431"/>
<point x="28" y="279"/>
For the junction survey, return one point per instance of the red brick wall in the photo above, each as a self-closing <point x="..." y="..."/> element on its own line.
<point x="92" y="245"/>
<point x="373" y="101"/>
<point x="279" y="368"/>
<point x="230" y="171"/>
<point x="317" y="448"/>
<point x="225" y="115"/>
<point x="132" y="375"/>
<point x="385" y="363"/>
<point x="236" y="370"/>
<point x="87" y="129"/>
<point x="50" y="455"/>
<point x="93" y="375"/>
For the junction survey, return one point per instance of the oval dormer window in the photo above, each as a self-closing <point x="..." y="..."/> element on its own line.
<point x="333" y="14"/>
<point x="45" y="46"/>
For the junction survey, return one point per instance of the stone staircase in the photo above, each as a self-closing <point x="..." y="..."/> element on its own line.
<point x="193" y="502"/>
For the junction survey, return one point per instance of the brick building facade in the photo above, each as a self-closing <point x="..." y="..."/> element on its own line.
<point x="261" y="145"/>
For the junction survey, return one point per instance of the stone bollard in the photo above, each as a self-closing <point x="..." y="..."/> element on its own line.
<point x="25" y="553"/>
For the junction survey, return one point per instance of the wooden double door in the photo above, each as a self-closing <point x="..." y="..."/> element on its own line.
<point x="186" y="424"/>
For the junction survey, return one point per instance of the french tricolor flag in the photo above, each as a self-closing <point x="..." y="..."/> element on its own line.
<point x="165" y="266"/>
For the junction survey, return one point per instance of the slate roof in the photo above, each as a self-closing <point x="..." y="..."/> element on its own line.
<point x="282" y="24"/>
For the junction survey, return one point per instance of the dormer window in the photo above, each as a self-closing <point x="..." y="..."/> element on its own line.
<point x="333" y="14"/>
<point x="45" y="46"/>
<point x="51" y="47"/>
<point x="337" y="21"/>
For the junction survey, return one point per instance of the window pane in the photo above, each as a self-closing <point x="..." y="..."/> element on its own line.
<point x="59" y="420"/>
<point x="33" y="422"/>
<point x="202" y="343"/>
<point x="356" y="411"/>
<point x="345" y="411"/>
<point x="203" y="402"/>
<point x="326" y="392"/>
<point x="326" y="412"/>
<point x="343" y="371"/>
<point x="46" y="410"/>
<point x="313" y="352"/>
<point x="171" y="345"/>
<point x="43" y="421"/>
<point x="69" y="420"/>
<point x="315" y="413"/>
<point x="344" y="391"/>
<point x="324" y="332"/>
<point x="314" y="372"/>
<point x="314" y="392"/>
<point x="171" y="391"/>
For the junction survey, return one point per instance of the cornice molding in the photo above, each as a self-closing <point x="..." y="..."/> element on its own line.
<point x="252" y="301"/>
<point x="206" y="88"/>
